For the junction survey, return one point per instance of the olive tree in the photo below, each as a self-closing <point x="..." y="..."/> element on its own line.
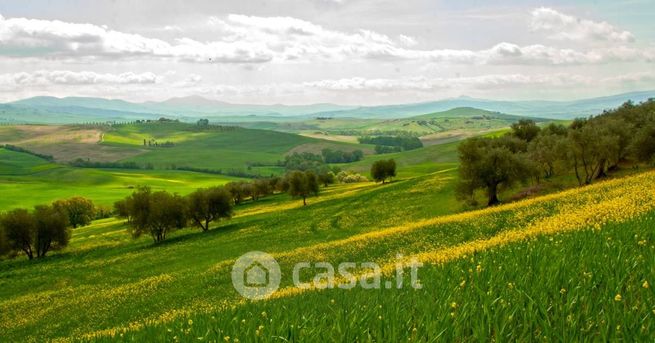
<point x="19" y="231"/>
<point x="36" y="233"/>
<point x="302" y="184"/>
<point x="491" y="163"/>
<point x="207" y="205"/>
<point x="591" y="148"/>
<point x="547" y="151"/>
<point x="643" y="145"/>
<point x="52" y="229"/>
<point x="326" y="177"/>
<point x="80" y="211"/>
<point x="155" y="214"/>
<point x="383" y="170"/>
<point x="525" y="129"/>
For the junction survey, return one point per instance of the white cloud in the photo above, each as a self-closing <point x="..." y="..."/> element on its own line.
<point x="423" y="84"/>
<point x="252" y="39"/>
<point x="354" y="90"/>
<point x="295" y="39"/>
<point x="173" y="28"/>
<point x="64" y="77"/>
<point x="633" y="78"/>
<point x="33" y="37"/>
<point x="407" y="40"/>
<point x="566" y="27"/>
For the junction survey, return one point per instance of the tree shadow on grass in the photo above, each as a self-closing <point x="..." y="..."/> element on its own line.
<point x="221" y="229"/>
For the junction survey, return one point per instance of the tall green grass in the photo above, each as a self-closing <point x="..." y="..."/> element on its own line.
<point x="583" y="286"/>
<point x="105" y="279"/>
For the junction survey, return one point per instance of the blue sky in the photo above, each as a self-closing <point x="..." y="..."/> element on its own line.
<point x="339" y="51"/>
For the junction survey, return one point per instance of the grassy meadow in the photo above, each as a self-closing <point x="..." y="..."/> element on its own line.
<point x="107" y="286"/>
<point x="26" y="180"/>
<point x="566" y="265"/>
<point x="252" y="151"/>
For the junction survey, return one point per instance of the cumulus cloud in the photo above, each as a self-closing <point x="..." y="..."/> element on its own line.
<point x="423" y="84"/>
<point x="352" y="90"/>
<point x="566" y="27"/>
<point x="295" y="39"/>
<point x="33" y="37"/>
<point x="382" y="87"/>
<point x="65" y="77"/>
<point x="407" y="41"/>
<point x="251" y="40"/>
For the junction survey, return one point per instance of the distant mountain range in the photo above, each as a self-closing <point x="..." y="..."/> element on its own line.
<point x="533" y="108"/>
<point x="45" y="109"/>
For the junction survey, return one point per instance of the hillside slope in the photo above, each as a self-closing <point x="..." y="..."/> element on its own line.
<point x="114" y="285"/>
<point x="217" y="148"/>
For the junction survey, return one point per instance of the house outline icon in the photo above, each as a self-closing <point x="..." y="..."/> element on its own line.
<point x="256" y="275"/>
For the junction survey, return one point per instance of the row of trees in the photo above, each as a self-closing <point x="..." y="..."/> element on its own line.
<point x="87" y="163"/>
<point x="152" y="142"/>
<point x="384" y="149"/>
<point x="297" y="183"/>
<point x="338" y="156"/>
<point x="303" y="161"/>
<point x="256" y="189"/>
<point x="403" y="142"/>
<point x="46" y="228"/>
<point x="310" y="161"/>
<point x="15" y="148"/>
<point x="159" y="213"/>
<point x="587" y="148"/>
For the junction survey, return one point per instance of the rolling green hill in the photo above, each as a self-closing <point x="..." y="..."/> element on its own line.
<point x="483" y="275"/>
<point x="26" y="181"/>
<point x="480" y="267"/>
<point x="462" y="121"/>
<point x="467" y="119"/>
<point x="217" y="148"/>
<point x="233" y="148"/>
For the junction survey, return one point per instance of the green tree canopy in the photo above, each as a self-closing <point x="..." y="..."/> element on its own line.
<point x="548" y="150"/>
<point x="52" y="232"/>
<point x="207" y="205"/>
<point x="80" y="211"/>
<point x="490" y="163"/>
<point x="525" y="129"/>
<point x="19" y="231"/>
<point x="155" y="213"/>
<point x="383" y="169"/>
<point x="302" y="184"/>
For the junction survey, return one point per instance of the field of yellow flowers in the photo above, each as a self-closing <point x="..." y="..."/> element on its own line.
<point x="568" y="266"/>
<point x="586" y="285"/>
